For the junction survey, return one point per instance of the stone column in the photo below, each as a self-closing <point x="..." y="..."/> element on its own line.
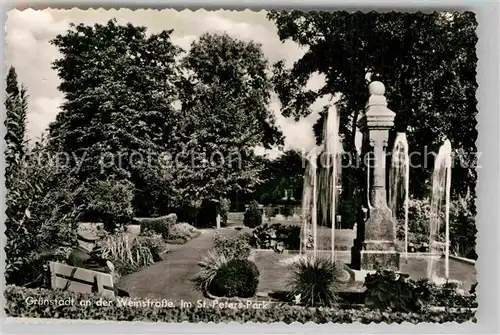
<point x="376" y="247"/>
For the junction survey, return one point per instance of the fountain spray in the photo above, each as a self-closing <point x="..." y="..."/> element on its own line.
<point x="400" y="169"/>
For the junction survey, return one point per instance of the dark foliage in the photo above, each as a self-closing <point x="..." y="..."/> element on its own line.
<point x="286" y="236"/>
<point x="427" y="62"/>
<point x="109" y="202"/>
<point x="389" y="290"/>
<point x="42" y="212"/>
<point x="120" y="84"/>
<point x="397" y="292"/>
<point x="253" y="215"/>
<point x="160" y="225"/>
<point x="232" y="246"/>
<point x="237" y="278"/>
<point x="17" y="305"/>
<point x="284" y="174"/>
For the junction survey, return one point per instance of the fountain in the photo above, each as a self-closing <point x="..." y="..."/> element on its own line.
<point x="309" y="207"/>
<point x="375" y="245"/>
<point x="399" y="181"/>
<point x="320" y="189"/>
<point x="332" y="147"/>
<point x="441" y="186"/>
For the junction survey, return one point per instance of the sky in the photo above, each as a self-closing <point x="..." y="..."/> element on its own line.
<point x="28" y="49"/>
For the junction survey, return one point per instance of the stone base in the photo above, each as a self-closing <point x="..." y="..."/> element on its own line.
<point x="375" y="255"/>
<point x="373" y="260"/>
<point x="375" y="246"/>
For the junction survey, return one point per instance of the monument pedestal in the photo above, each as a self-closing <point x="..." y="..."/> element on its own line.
<point x="377" y="247"/>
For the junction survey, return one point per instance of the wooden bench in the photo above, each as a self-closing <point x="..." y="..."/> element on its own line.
<point x="75" y="279"/>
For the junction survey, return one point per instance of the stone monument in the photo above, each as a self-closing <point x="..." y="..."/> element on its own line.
<point x="375" y="244"/>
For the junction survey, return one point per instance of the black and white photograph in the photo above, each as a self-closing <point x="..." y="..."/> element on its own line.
<point x="241" y="166"/>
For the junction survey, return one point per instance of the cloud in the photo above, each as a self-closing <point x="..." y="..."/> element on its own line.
<point x="28" y="49"/>
<point x="44" y="109"/>
<point x="28" y="34"/>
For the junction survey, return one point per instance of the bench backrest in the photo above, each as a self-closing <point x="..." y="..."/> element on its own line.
<point x="81" y="280"/>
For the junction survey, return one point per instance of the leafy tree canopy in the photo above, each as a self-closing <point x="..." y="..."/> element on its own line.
<point x="119" y="88"/>
<point x="225" y="114"/>
<point x="426" y="61"/>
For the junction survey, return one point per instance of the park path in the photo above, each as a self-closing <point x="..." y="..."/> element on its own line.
<point x="171" y="278"/>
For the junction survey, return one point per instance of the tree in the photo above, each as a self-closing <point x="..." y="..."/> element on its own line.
<point x="119" y="86"/>
<point x="426" y="61"/>
<point x="16" y="105"/>
<point x="225" y="97"/>
<point x="118" y="118"/>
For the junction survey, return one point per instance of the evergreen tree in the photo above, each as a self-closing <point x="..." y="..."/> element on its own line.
<point x="16" y="104"/>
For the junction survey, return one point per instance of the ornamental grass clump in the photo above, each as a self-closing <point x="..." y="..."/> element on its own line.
<point x="314" y="282"/>
<point x="127" y="255"/>
<point x="209" y="268"/>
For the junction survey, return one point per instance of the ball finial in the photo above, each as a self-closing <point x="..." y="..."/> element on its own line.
<point x="376" y="88"/>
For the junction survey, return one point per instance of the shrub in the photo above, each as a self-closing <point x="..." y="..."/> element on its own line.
<point x="447" y="295"/>
<point x="127" y="255"/>
<point x="265" y="234"/>
<point x="225" y="206"/>
<point x="289" y="235"/>
<point x="462" y="225"/>
<point x="246" y="238"/>
<point x="262" y="235"/>
<point x="209" y="268"/>
<point x="253" y="215"/>
<point x="160" y="225"/>
<point x="236" y="278"/>
<point x="419" y="211"/>
<point x="17" y="304"/>
<point x="42" y="212"/>
<point x="315" y="281"/>
<point x="463" y="228"/>
<point x="397" y="292"/>
<point x="389" y="290"/>
<point x="232" y="247"/>
<point x="109" y="202"/>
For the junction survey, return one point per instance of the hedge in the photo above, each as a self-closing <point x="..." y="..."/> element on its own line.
<point x="17" y="306"/>
<point x="160" y="225"/>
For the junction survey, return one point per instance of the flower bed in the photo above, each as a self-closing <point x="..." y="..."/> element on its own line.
<point x="18" y="304"/>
